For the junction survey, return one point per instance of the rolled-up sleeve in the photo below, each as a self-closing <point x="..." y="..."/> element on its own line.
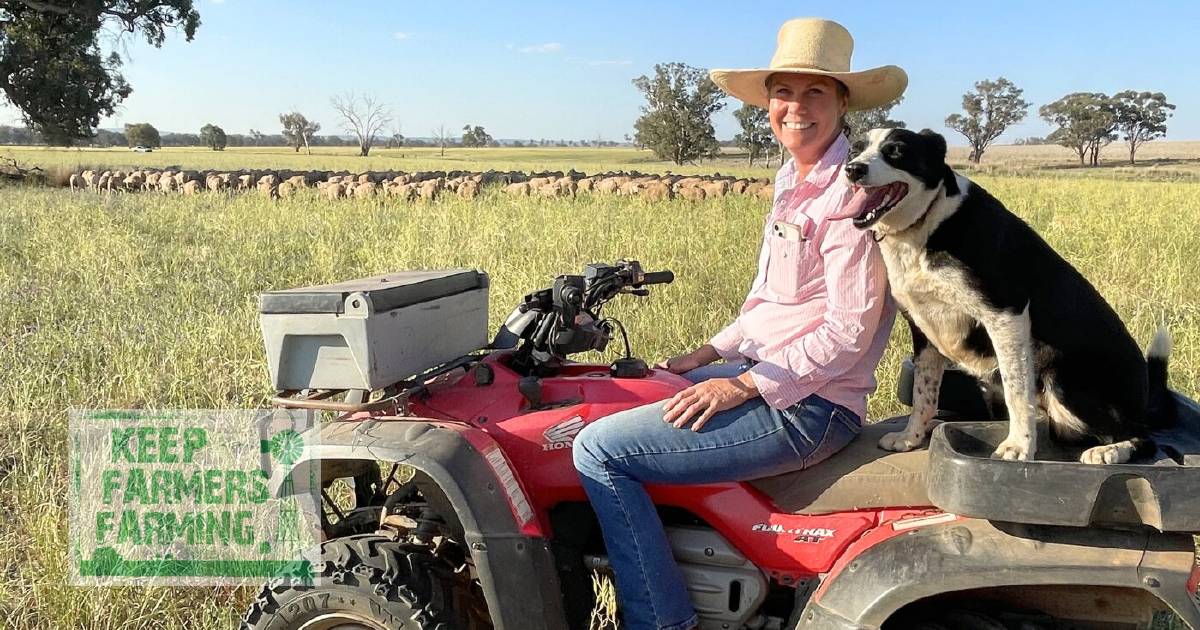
<point x="857" y="294"/>
<point x="727" y="341"/>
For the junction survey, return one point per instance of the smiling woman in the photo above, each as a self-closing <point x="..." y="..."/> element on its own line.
<point x="799" y="358"/>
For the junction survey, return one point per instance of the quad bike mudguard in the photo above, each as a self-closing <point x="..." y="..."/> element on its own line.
<point x="514" y="562"/>
<point x="889" y="569"/>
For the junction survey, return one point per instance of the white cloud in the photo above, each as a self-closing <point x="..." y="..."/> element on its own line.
<point x="401" y="35"/>
<point x="550" y="47"/>
<point x="611" y="62"/>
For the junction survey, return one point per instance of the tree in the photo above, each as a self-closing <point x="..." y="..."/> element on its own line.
<point x="1141" y="116"/>
<point x="364" y="116"/>
<point x="213" y="137"/>
<point x="991" y="108"/>
<point x="142" y="135"/>
<point x="475" y="137"/>
<point x="441" y="135"/>
<point x="397" y="139"/>
<point x="256" y="136"/>
<point x="861" y="122"/>
<point x="676" y="121"/>
<point x="756" y="136"/>
<point x="298" y="130"/>
<point x="106" y="138"/>
<point x="52" y="67"/>
<point x="1085" y="122"/>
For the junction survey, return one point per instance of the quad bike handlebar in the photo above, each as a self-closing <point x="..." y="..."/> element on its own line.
<point x="566" y="318"/>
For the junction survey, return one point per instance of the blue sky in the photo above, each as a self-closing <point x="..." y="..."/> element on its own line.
<point x="564" y="70"/>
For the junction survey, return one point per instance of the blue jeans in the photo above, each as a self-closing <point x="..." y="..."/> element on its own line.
<point x="617" y="454"/>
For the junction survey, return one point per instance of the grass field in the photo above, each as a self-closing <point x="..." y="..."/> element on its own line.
<point x="129" y="301"/>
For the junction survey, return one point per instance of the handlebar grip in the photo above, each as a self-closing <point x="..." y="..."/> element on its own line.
<point x="658" y="277"/>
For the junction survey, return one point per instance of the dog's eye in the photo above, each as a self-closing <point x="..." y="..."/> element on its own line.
<point x="893" y="151"/>
<point x="858" y="147"/>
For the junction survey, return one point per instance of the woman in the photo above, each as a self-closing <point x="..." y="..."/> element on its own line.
<point x="800" y="357"/>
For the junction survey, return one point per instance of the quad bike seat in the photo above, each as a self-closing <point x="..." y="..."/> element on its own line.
<point x="860" y="476"/>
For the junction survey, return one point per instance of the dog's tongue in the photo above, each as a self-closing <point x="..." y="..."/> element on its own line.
<point x="864" y="199"/>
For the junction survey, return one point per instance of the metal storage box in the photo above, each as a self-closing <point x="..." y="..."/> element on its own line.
<point x="372" y="332"/>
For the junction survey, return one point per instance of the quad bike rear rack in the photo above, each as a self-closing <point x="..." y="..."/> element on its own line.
<point x="1055" y="489"/>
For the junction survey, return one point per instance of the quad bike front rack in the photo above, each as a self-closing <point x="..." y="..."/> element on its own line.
<point x="359" y="400"/>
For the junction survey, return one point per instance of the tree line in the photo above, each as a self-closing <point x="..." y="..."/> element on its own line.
<point x="676" y="120"/>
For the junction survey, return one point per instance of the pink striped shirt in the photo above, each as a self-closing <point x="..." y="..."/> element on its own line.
<point x="818" y="314"/>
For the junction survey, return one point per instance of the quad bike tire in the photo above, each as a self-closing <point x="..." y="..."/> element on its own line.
<point x="370" y="582"/>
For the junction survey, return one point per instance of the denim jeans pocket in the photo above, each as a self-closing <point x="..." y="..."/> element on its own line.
<point x="840" y="429"/>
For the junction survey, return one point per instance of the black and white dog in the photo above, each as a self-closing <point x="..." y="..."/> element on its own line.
<point x="980" y="288"/>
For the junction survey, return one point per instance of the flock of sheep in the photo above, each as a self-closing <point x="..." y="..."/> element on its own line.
<point x="427" y="185"/>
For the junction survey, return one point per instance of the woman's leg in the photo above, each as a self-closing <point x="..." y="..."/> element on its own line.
<point x="617" y="454"/>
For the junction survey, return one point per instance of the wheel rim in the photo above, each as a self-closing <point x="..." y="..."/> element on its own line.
<point x="341" y="621"/>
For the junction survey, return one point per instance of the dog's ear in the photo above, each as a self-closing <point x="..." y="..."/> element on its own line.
<point x="936" y="144"/>
<point x="937" y="154"/>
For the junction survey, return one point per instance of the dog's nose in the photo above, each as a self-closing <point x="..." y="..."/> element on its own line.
<point x="856" y="171"/>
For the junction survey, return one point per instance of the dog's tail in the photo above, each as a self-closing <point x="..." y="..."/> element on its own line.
<point x="1160" y="408"/>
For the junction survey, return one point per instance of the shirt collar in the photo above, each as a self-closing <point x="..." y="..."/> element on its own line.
<point x="825" y="169"/>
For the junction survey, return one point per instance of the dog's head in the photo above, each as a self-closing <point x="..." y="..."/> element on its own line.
<point x="896" y="177"/>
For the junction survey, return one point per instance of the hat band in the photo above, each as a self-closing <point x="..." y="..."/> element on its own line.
<point x="798" y="66"/>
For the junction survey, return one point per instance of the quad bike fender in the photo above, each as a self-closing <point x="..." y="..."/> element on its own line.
<point x="511" y="556"/>
<point x="889" y="568"/>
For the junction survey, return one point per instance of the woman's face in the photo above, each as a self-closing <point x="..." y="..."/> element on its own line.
<point x="805" y="112"/>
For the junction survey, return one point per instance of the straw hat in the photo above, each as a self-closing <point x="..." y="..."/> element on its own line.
<point x="815" y="46"/>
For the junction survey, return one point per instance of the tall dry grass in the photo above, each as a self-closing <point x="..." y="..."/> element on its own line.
<point x="141" y="300"/>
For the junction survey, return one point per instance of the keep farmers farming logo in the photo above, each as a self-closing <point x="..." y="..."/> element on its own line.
<point x="191" y="497"/>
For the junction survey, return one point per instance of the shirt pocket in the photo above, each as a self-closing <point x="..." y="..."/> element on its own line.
<point x="790" y="264"/>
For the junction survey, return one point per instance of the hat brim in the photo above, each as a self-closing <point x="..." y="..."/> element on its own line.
<point x="868" y="88"/>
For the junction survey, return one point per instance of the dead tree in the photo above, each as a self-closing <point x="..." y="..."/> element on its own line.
<point x="364" y="116"/>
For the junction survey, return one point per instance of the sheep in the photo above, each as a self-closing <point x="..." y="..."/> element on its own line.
<point x="657" y="191"/>
<point x="133" y="181"/>
<point x="190" y="187"/>
<point x="431" y="189"/>
<point x="469" y="189"/>
<point x="630" y="188"/>
<point x="692" y="193"/>
<point x="76" y="181"/>
<point x="334" y="190"/>
<point x="364" y="190"/>
<point x="608" y="185"/>
<point x="519" y="189"/>
<point x="715" y="189"/>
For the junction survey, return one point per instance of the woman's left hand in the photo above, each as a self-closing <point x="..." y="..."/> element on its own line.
<point x="706" y="398"/>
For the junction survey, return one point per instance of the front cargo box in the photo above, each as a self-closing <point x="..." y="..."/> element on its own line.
<point x="372" y="332"/>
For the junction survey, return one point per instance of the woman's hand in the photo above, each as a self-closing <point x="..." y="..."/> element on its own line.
<point x="706" y="399"/>
<point x="699" y="357"/>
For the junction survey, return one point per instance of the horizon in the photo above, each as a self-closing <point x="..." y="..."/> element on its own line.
<point x="523" y="78"/>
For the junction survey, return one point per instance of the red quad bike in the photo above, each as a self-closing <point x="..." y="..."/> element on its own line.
<point x="468" y="512"/>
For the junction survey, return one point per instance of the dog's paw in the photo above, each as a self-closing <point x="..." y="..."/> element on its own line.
<point x="1118" y="453"/>
<point x="1014" y="449"/>
<point x="900" y="441"/>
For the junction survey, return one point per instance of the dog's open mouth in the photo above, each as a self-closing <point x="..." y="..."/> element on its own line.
<point x="869" y="203"/>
